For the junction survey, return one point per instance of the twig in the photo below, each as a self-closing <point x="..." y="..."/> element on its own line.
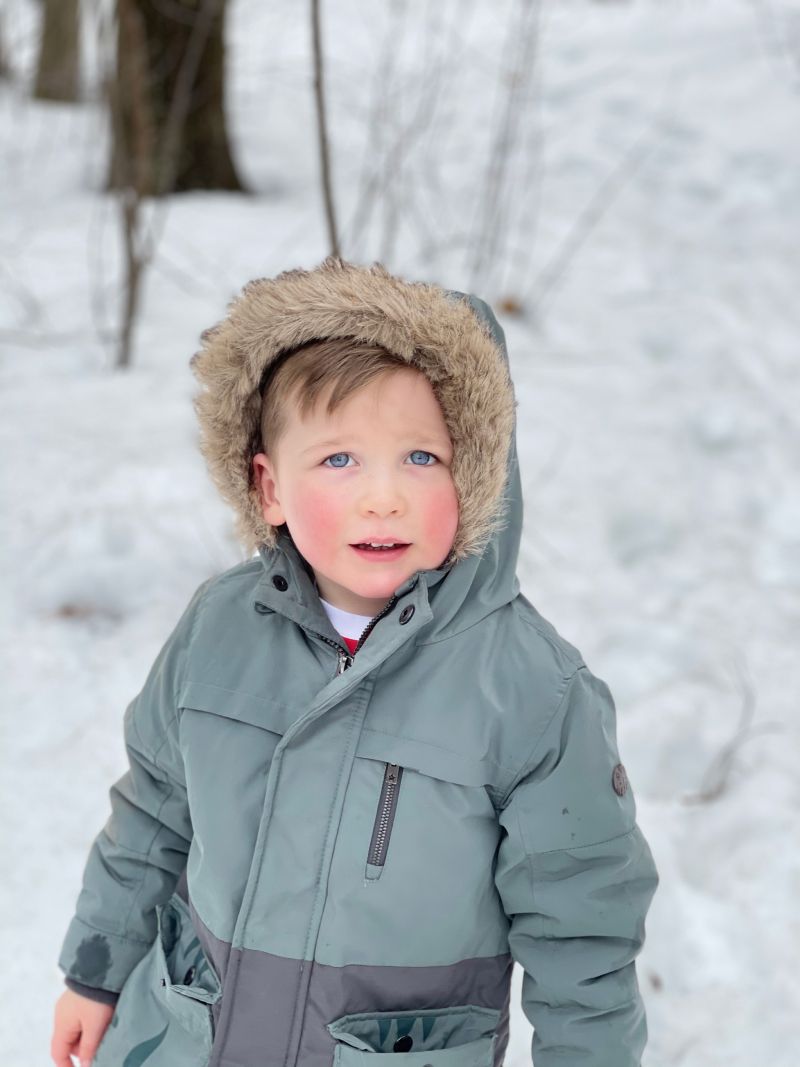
<point x="718" y="772"/>
<point x="322" y="131"/>
<point x="555" y="270"/>
<point x="140" y="242"/>
<point x="593" y="212"/>
<point x="525" y="36"/>
<point x="389" y="165"/>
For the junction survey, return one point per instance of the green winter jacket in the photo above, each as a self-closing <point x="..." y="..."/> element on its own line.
<point x="319" y="858"/>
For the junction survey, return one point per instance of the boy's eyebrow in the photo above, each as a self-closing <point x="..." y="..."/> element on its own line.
<point x="422" y="439"/>
<point x="321" y="444"/>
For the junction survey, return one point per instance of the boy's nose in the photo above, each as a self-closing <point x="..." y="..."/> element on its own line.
<point x="382" y="497"/>
<point x="382" y="506"/>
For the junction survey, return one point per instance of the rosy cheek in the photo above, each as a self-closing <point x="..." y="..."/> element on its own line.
<point x="441" y="517"/>
<point x="319" y="511"/>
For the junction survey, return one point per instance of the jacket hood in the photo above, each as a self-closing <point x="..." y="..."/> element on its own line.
<point x="451" y="337"/>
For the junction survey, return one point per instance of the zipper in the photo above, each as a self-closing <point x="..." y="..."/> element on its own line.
<point x="379" y="616"/>
<point x="384" y="818"/>
<point x="345" y="657"/>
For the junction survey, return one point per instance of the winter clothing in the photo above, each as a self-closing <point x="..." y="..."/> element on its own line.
<point x="318" y="857"/>
<point x="347" y="624"/>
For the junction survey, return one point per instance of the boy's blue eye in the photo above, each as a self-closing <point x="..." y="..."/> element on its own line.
<point x="336" y="456"/>
<point x="416" y="452"/>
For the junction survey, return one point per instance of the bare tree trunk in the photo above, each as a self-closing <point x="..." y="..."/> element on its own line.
<point x="58" y="70"/>
<point x="322" y="131"/>
<point x="199" y="156"/>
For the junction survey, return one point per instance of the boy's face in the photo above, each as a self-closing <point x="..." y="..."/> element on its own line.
<point x="378" y="469"/>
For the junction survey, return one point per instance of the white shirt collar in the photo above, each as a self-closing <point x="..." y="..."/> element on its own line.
<point x="346" y="622"/>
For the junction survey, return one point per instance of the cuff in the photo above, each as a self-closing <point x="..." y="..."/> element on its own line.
<point x="104" y="996"/>
<point x="97" y="959"/>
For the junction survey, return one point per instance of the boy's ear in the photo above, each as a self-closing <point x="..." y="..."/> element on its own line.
<point x="264" y="478"/>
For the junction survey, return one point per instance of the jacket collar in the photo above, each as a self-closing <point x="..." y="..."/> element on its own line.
<point x="286" y="586"/>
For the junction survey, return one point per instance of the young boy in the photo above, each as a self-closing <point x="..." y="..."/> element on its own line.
<point x="366" y="775"/>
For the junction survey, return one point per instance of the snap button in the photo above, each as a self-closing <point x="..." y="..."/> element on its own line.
<point x="188" y="978"/>
<point x="619" y="780"/>
<point x="403" y="1044"/>
<point x="262" y="609"/>
<point x="280" y="582"/>
<point x="406" y="614"/>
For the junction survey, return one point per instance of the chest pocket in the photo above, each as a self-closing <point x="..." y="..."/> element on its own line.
<point x="426" y="802"/>
<point x="255" y="709"/>
<point x="384" y="820"/>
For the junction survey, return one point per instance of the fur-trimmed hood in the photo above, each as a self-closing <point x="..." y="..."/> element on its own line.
<point x="451" y="337"/>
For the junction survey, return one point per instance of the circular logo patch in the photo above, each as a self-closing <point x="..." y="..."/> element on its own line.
<point x="619" y="779"/>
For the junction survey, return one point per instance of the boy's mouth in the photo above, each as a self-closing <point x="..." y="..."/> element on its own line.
<point x="377" y="551"/>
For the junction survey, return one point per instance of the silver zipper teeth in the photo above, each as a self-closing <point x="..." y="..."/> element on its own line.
<point x="379" y="616"/>
<point x="386" y="804"/>
<point x="345" y="659"/>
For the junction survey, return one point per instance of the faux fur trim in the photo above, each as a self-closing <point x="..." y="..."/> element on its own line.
<point x="441" y="336"/>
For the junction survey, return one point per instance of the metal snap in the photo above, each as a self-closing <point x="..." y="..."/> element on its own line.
<point x="619" y="780"/>
<point x="280" y="582"/>
<point x="406" y="614"/>
<point x="403" y="1044"/>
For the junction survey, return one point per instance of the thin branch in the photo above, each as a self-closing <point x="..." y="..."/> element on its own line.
<point x="718" y="773"/>
<point x="324" y="147"/>
<point x="604" y="196"/>
<point x="524" y="34"/>
<point x="141" y="241"/>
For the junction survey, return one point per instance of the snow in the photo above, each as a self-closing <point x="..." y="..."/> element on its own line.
<point x="648" y="222"/>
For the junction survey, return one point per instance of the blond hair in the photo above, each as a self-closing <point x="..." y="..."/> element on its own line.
<point x="302" y="375"/>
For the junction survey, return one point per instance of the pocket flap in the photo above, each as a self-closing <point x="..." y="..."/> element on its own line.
<point x="236" y="704"/>
<point x="463" y="1035"/>
<point x="429" y="759"/>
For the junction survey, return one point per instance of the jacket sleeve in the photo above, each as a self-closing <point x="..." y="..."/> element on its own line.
<point x="576" y="877"/>
<point x="136" y="859"/>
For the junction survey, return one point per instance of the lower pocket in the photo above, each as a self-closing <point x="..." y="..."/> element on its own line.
<point x="163" y="1015"/>
<point x="463" y="1036"/>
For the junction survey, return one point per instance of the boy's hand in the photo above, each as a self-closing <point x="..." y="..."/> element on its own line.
<point x="78" y="1027"/>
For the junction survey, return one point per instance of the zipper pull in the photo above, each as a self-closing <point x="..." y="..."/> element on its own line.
<point x="344" y="662"/>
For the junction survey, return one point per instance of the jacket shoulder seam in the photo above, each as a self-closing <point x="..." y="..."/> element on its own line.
<point x="566" y="681"/>
<point x="557" y="645"/>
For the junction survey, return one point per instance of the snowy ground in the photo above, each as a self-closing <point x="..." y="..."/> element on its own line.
<point x="658" y="429"/>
